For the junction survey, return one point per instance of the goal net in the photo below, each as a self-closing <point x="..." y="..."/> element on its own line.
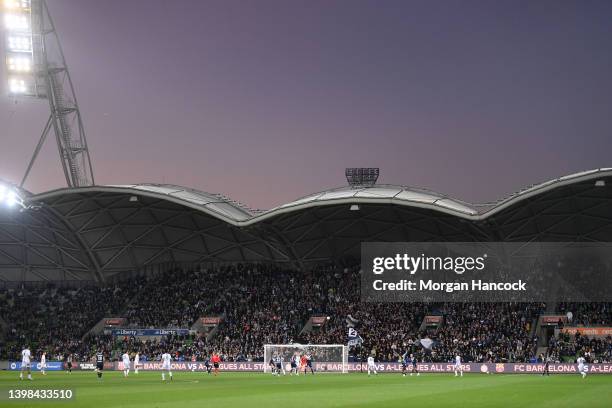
<point x="325" y="358"/>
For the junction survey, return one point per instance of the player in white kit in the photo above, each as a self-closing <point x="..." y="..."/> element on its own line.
<point x="43" y="363"/>
<point x="166" y="359"/>
<point x="582" y="368"/>
<point x="295" y="361"/>
<point x="25" y="363"/>
<point x="371" y="366"/>
<point x="136" y="362"/>
<point x="126" y="364"/>
<point x="458" y="366"/>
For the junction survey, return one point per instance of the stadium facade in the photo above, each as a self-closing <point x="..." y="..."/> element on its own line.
<point x="100" y="232"/>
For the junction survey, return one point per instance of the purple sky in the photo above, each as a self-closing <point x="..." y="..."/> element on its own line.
<point x="267" y="101"/>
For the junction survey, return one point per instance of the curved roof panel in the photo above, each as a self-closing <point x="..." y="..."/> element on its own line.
<point x="214" y="204"/>
<point x="382" y="193"/>
<point x="235" y="213"/>
<point x="487" y="210"/>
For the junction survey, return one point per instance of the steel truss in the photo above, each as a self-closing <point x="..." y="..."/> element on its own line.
<point x="65" y="117"/>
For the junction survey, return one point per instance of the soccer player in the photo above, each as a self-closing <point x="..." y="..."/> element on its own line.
<point x="126" y="364"/>
<point x="69" y="363"/>
<point x="136" y="362"/>
<point x="278" y="364"/>
<point x="582" y="368"/>
<point x="166" y="359"/>
<point x="404" y="360"/>
<point x="303" y="363"/>
<point x="215" y="360"/>
<point x="295" y="358"/>
<point x="25" y="363"/>
<point x="546" y="361"/>
<point x="272" y="366"/>
<point x="207" y="365"/>
<point x="414" y="368"/>
<point x="193" y="362"/>
<point x="99" y="364"/>
<point x="43" y="363"/>
<point x="458" y="366"/>
<point x="308" y="363"/>
<point x="371" y="365"/>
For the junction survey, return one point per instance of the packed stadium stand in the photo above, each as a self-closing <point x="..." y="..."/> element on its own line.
<point x="163" y="256"/>
<point x="269" y="305"/>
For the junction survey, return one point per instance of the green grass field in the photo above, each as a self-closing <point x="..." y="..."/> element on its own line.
<point x="325" y="390"/>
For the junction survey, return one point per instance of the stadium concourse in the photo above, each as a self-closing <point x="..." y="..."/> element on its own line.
<point x="161" y="256"/>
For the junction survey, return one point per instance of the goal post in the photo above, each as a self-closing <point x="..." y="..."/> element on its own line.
<point x="326" y="358"/>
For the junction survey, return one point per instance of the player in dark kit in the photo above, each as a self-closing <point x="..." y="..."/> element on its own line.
<point x="308" y="364"/>
<point x="546" y="361"/>
<point x="99" y="364"/>
<point x="405" y="361"/>
<point x="272" y="367"/>
<point x="208" y="365"/>
<point x="413" y="360"/>
<point x="294" y="364"/>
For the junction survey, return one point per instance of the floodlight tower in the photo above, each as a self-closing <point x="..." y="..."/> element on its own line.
<point x="362" y="176"/>
<point x="37" y="68"/>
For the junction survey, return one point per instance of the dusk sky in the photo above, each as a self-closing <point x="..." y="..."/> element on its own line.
<point x="267" y="101"/>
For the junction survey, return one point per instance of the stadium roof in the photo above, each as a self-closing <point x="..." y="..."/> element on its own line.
<point x="99" y="231"/>
<point x="380" y="193"/>
<point x="214" y="204"/>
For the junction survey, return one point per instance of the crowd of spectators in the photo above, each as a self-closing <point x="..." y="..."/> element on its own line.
<point x="568" y="347"/>
<point x="487" y="332"/>
<point x="587" y="314"/>
<point x="54" y="319"/>
<point x="270" y="304"/>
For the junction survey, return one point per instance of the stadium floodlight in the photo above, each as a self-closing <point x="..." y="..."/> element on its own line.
<point x="19" y="63"/>
<point x="16" y="22"/>
<point x="362" y="176"/>
<point x="10" y="197"/>
<point x="17" y="4"/>
<point x="17" y="86"/>
<point x="19" y="43"/>
<point x="37" y="68"/>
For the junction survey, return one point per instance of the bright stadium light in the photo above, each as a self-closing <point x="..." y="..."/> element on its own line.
<point x="19" y="43"/>
<point x="19" y="63"/>
<point x="17" y="4"/>
<point x="17" y="86"/>
<point x="16" y="22"/>
<point x="10" y="198"/>
<point x="36" y="68"/>
<point x="19" y="56"/>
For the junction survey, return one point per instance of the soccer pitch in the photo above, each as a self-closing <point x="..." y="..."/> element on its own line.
<point x="324" y="390"/>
